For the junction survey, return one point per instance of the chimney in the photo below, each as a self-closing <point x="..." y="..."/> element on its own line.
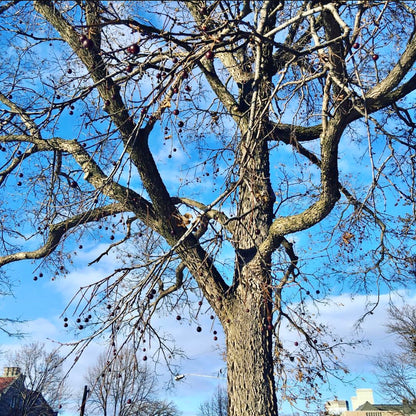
<point x="11" y="372"/>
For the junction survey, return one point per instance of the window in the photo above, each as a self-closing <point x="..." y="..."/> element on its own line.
<point x="13" y="402"/>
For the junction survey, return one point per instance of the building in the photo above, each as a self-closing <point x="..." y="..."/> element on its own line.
<point x="336" y="407"/>
<point x="17" y="400"/>
<point x="362" y="396"/>
<point x="369" y="409"/>
<point x="363" y="405"/>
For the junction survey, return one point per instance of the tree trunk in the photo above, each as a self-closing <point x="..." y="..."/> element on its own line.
<point x="251" y="386"/>
<point x="248" y="326"/>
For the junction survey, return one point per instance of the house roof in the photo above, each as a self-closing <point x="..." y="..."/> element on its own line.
<point x="5" y="382"/>
<point x="386" y="407"/>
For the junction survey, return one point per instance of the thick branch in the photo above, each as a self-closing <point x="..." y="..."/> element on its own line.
<point x="226" y="98"/>
<point x="93" y="174"/>
<point x="174" y="287"/>
<point x="290" y="133"/>
<point x="328" y="197"/>
<point x="135" y="139"/>
<point x="58" y="231"/>
<point x="383" y="101"/>
<point x="395" y="76"/>
<point x="209" y="212"/>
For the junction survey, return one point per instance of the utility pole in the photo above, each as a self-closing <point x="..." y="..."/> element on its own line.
<point x="84" y="401"/>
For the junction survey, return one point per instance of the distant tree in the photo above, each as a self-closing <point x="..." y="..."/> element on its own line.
<point x="43" y="375"/>
<point x="396" y="371"/>
<point x="217" y="405"/>
<point x="8" y="325"/>
<point x="250" y="159"/>
<point x="121" y="386"/>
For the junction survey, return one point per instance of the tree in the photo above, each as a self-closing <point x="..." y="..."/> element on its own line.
<point x="258" y="155"/>
<point x="396" y="371"/>
<point x="43" y="377"/>
<point x="217" y="405"/>
<point x="8" y="325"/>
<point x="121" y="386"/>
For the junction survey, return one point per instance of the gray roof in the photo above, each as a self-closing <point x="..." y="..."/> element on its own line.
<point x="406" y="407"/>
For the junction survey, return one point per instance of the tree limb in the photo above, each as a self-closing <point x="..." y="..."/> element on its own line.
<point x="57" y="232"/>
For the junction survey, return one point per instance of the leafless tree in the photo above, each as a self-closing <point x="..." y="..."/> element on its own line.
<point x="258" y="155"/>
<point x="396" y="371"/>
<point x="217" y="405"/>
<point x="9" y="326"/>
<point x="43" y="378"/>
<point x="122" y="386"/>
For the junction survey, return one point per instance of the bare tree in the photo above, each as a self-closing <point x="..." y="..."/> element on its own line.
<point x="43" y="378"/>
<point x="122" y="386"/>
<point x="396" y="371"/>
<point x="8" y="325"/>
<point x="217" y="405"/>
<point x="258" y="155"/>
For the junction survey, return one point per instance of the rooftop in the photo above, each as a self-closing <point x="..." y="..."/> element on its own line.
<point x="5" y="382"/>
<point x="387" y="407"/>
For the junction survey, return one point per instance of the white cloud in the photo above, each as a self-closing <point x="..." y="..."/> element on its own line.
<point x="342" y="315"/>
<point x="40" y="328"/>
<point x="83" y="275"/>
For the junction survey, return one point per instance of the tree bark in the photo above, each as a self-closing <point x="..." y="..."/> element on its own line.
<point x="251" y="385"/>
